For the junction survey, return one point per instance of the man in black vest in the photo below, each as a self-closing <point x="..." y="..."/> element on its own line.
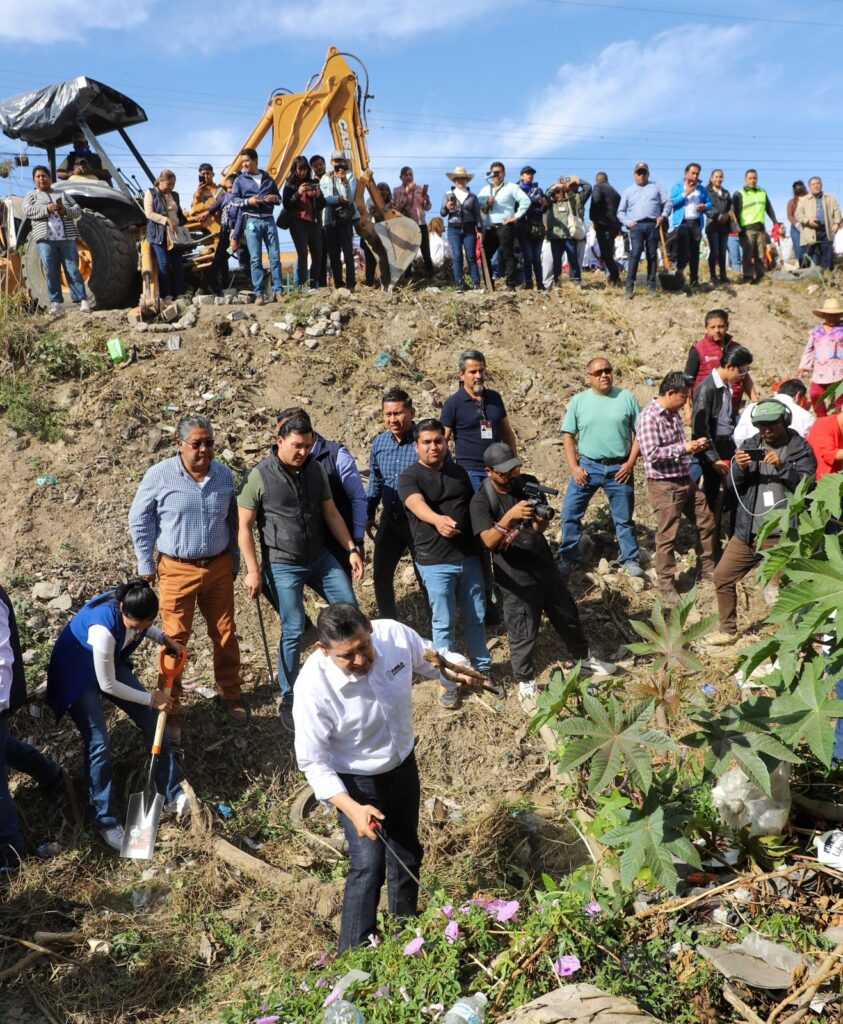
<point x="12" y="696"/>
<point x="289" y="497"/>
<point x="346" y="487"/>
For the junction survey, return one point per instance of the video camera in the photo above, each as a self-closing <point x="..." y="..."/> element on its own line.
<point x="535" y="493"/>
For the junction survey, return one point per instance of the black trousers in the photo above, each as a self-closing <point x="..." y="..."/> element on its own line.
<point x="606" y="244"/>
<point x="397" y="794"/>
<point x="340" y="241"/>
<point x="215" y="277"/>
<point x="307" y="237"/>
<point x="502" y="236"/>
<point x="522" y="615"/>
<point x="424" y="245"/>
<point x="392" y="541"/>
<point x="688" y="236"/>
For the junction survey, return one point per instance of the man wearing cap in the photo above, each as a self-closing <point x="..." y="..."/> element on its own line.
<point x="462" y="209"/>
<point x="791" y="393"/>
<point x="598" y="432"/>
<point x="504" y="204"/>
<point x="643" y="208"/>
<point x="531" y="229"/>
<point x="765" y="470"/>
<point x="819" y="218"/>
<point x="81" y="169"/>
<point x="507" y="524"/>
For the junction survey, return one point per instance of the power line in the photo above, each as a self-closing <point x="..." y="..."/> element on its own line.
<point x="691" y="14"/>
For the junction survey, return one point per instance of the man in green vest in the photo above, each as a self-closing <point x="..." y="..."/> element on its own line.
<point x="750" y="204"/>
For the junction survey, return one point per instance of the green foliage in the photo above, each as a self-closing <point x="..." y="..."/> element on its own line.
<point x="807" y="713"/>
<point x="29" y="410"/>
<point x="669" y="641"/>
<point x="61" y="359"/>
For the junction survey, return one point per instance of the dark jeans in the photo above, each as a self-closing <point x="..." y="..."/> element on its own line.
<point x="12" y="846"/>
<point x="170" y="271"/>
<point x="215" y="277"/>
<point x="392" y="541"/>
<point x="396" y="793"/>
<point x="606" y="244"/>
<point x="522" y="615"/>
<point x="339" y="239"/>
<point x="797" y="248"/>
<point x="23" y="757"/>
<point x="688" y="236"/>
<point x="307" y="237"/>
<point x="558" y="246"/>
<point x="463" y="240"/>
<point x="424" y="245"/>
<point x="821" y="253"/>
<point x="502" y="236"/>
<point x="642" y="238"/>
<point x="531" y="252"/>
<point x="621" y="498"/>
<point x="718" y="238"/>
<point x="322" y="269"/>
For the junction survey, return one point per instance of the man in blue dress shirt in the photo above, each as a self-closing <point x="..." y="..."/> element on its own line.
<point x="644" y="207"/>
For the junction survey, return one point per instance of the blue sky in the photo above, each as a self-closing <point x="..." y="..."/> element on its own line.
<point x="571" y="88"/>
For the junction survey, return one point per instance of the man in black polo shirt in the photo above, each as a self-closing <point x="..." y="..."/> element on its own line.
<point x="475" y="417"/>
<point x="525" y="571"/>
<point x="436" y="495"/>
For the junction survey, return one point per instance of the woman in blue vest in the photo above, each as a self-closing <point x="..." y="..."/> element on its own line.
<point x="91" y="659"/>
<point x="163" y="217"/>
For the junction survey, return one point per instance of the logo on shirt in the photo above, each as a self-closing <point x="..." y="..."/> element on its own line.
<point x="393" y="672"/>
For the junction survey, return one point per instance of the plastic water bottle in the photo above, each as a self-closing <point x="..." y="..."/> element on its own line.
<point x="467" y="1010"/>
<point x="342" y="1012"/>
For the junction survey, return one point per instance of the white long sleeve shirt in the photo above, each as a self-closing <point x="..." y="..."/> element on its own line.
<point x="104" y="646"/>
<point x="6" y="658"/>
<point x="360" y="725"/>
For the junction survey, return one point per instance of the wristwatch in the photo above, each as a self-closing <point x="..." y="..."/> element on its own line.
<point x="355" y="550"/>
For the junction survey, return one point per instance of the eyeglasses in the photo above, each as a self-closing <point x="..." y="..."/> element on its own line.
<point x="642" y="172"/>
<point x="603" y="371"/>
<point x="205" y="442"/>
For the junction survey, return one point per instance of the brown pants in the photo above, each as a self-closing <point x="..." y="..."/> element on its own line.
<point x="671" y="499"/>
<point x="753" y="244"/>
<point x="181" y="586"/>
<point x="735" y="562"/>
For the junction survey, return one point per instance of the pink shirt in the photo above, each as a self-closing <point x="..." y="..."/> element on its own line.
<point x="823" y="354"/>
<point x="413" y="206"/>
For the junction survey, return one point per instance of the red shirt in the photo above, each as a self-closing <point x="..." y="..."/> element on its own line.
<point x="826" y="438"/>
<point x="703" y="357"/>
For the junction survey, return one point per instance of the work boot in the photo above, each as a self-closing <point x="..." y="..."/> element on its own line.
<point x="628" y="293"/>
<point x="720" y="639"/>
<point x="259" y="300"/>
<point x="285" y="712"/>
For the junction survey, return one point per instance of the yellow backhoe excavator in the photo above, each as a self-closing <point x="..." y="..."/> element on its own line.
<point x="334" y="93"/>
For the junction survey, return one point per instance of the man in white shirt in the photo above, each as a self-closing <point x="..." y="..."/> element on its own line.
<point x="354" y="742"/>
<point x="792" y="393"/>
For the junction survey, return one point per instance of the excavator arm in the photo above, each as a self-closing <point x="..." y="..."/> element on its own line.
<point x="292" y="118"/>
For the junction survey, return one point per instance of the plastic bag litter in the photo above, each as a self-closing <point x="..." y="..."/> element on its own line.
<point x="740" y="803"/>
<point x="830" y="848"/>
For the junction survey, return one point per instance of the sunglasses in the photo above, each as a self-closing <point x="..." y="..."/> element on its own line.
<point x="604" y="371"/>
<point x="205" y="442"/>
<point x="642" y="172"/>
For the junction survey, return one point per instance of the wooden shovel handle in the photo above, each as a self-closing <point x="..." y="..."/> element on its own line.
<point x="664" y="247"/>
<point x="169" y="675"/>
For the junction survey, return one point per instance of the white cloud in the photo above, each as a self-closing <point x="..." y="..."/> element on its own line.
<point x="59" y="21"/>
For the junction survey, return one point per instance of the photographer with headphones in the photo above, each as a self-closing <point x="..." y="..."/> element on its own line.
<point x="762" y="474"/>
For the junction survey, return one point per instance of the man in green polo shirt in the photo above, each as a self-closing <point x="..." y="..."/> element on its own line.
<point x="600" y="445"/>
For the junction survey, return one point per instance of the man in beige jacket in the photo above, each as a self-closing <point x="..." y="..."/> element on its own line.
<point x="819" y="218"/>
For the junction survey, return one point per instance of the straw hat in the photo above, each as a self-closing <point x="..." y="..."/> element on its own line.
<point x="458" y="172"/>
<point x="831" y="307"/>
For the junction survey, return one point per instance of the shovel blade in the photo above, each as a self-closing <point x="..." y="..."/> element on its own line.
<point x="401" y="238"/>
<point x="141" y="828"/>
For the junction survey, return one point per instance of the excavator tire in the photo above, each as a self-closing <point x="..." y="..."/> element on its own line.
<point x="108" y="260"/>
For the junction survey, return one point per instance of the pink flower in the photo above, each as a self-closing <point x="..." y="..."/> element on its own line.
<point x="382" y="992"/>
<point x="565" y="965"/>
<point x="452" y="932"/>
<point x="266" y="1020"/>
<point x="413" y="947"/>
<point x="447" y="910"/>
<point x="321" y="962"/>
<point x="304" y="987"/>
<point x="506" y="910"/>
<point x="332" y="996"/>
<point x="593" y="908"/>
<point x="321" y="982"/>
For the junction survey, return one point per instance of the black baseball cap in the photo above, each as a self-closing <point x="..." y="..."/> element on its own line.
<point x="528" y="170"/>
<point x="499" y="456"/>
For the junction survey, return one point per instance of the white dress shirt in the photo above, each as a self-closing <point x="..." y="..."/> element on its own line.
<point x="6" y="658"/>
<point x="801" y="423"/>
<point x="360" y="725"/>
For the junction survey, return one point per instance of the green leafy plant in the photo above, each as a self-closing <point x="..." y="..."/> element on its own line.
<point x="29" y="410"/>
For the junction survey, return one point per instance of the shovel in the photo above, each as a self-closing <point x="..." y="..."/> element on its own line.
<point x="145" y="808"/>
<point x="272" y="679"/>
<point x="671" y="281"/>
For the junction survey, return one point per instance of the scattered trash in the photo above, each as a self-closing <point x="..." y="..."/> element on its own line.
<point x="99" y="947"/>
<point x="116" y="349"/>
<point x="34" y="711"/>
<point x="709" y="689"/>
<point x="47" y="850"/>
<point x="758" y="962"/>
<point x="382" y="360"/>
<point x="470" y="1010"/>
<point x="44" y="481"/>
<point x="740" y="802"/>
<point x="342" y="1012"/>
<point x="149" y="874"/>
<point x="208" y="396"/>
<point x="830" y="848"/>
<point x="174" y="343"/>
<point x="140" y="898"/>
<point x="206" y="950"/>
<point x="208" y="692"/>
<point x="252" y="844"/>
<point x="650" y="381"/>
<point x="224" y="810"/>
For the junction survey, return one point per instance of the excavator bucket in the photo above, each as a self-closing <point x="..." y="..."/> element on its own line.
<point x="400" y="237"/>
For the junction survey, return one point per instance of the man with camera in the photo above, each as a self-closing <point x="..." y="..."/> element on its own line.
<point x="763" y="473"/>
<point x="510" y="516"/>
<point x="503" y="205"/>
<point x="340" y="213"/>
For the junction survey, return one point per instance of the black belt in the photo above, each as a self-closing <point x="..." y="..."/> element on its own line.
<point x="646" y="220"/>
<point x="201" y="563"/>
<point x="607" y="462"/>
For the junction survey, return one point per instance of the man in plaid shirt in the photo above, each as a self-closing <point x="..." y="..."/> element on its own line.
<point x="667" y="466"/>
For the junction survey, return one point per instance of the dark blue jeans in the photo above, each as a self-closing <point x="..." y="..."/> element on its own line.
<point x="621" y="498"/>
<point x="797" y="248"/>
<point x="531" y="252"/>
<point x="821" y="253"/>
<point x="89" y="717"/>
<point x="718" y="238"/>
<point x="558" y="246"/>
<point x="55" y="255"/>
<point x="642" y="238"/>
<point x="12" y="846"/>
<point x="396" y="793"/>
<point x="170" y="271"/>
<point x="23" y="757"/>
<point x="463" y="242"/>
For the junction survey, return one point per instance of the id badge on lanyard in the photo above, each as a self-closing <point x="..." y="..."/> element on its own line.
<point x="486" y="430"/>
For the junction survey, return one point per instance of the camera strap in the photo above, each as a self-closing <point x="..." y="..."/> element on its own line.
<point x="509" y="535"/>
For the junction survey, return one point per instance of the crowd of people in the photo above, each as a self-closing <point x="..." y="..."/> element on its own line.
<point x="513" y="230"/>
<point x="450" y="492"/>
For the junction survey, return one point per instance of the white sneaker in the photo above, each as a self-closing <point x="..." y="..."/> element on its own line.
<point x="84" y="306"/>
<point x="55" y="308"/>
<point x="179" y="806"/>
<point x="595" y="667"/>
<point x="112" y="836"/>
